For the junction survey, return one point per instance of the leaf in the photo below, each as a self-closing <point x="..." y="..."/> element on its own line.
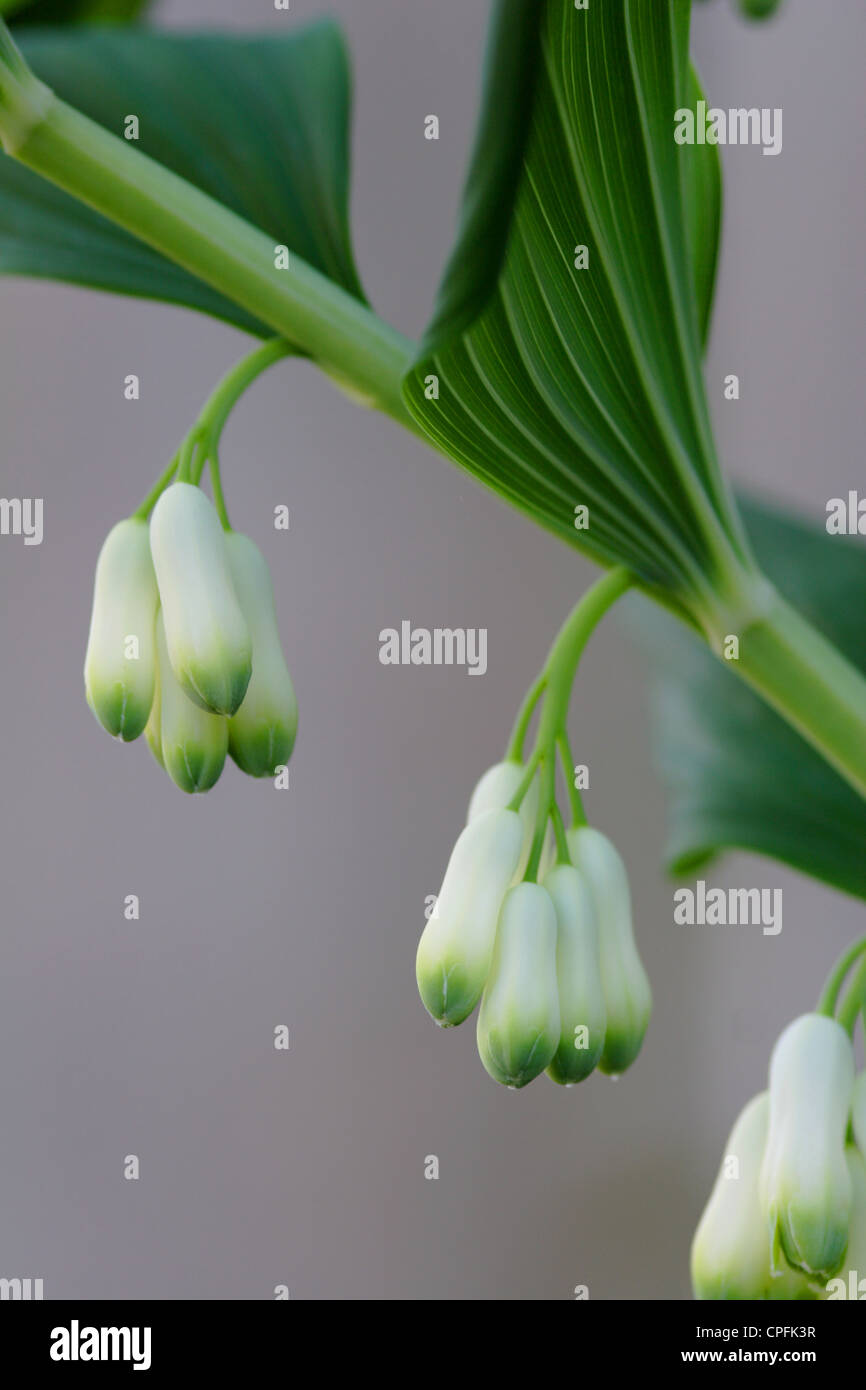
<point x="736" y="774"/>
<point x="71" y="11"/>
<point x="259" y="123"/>
<point x="560" y="386"/>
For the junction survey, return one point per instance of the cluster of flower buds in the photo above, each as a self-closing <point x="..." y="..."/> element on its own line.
<point x="788" y="1211"/>
<point x="551" y="957"/>
<point x="184" y="645"/>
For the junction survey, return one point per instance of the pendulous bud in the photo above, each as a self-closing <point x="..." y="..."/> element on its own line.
<point x="627" y="993"/>
<point x="208" y="641"/>
<point x="578" y="978"/>
<point x="730" y="1252"/>
<point x="120" y="664"/>
<point x="193" y="741"/>
<point x="805" y="1184"/>
<point x="494" y="792"/>
<point x="456" y="945"/>
<point x="262" y="733"/>
<point x="518" y="1022"/>
<point x="851" y="1279"/>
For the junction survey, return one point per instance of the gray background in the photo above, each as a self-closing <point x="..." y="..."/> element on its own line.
<point x="259" y="908"/>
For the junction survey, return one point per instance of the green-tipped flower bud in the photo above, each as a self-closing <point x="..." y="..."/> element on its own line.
<point x="518" y="1022"/>
<point x="578" y="978"/>
<point x="121" y="656"/>
<point x="850" y="1282"/>
<point x="627" y="994"/>
<point x="194" y="742"/>
<point x="457" y="943"/>
<point x="262" y="733"/>
<point x="730" y="1251"/>
<point x="805" y="1185"/>
<point x="858" y="1114"/>
<point x="208" y="641"/>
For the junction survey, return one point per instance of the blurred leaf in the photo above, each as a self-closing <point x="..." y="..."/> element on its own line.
<point x="737" y="775"/>
<point x="561" y="386"/>
<point x="71" y="11"/>
<point x="259" y="123"/>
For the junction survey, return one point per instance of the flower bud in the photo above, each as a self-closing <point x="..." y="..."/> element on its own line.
<point x="457" y="943"/>
<point x="494" y="792"/>
<point x="578" y="977"/>
<point x="518" y="1022"/>
<point x="262" y="733"/>
<point x="193" y="741"/>
<point x="805" y="1184"/>
<point x="851" y="1279"/>
<point x="208" y="641"/>
<point x="627" y="994"/>
<point x="120" y="662"/>
<point x="731" y="1252"/>
<point x="858" y="1114"/>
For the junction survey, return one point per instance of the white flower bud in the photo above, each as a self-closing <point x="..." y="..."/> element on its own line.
<point x="262" y="733"/>
<point x="518" y="1022"/>
<point x="850" y="1283"/>
<point x="805" y="1184"/>
<point x="457" y="943"/>
<point x="627" y="994"/>
<point x="121" y="655"/>
<point x="578" y="977"/>
<point x="731" y="1250"/>
<point x="494" y="792"/>
<point x="209" y="644"/>
<point x="193" y="741"/>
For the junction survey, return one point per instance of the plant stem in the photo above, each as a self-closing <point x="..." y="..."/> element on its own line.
<point x="143" y="512"/>
<point x="222" y="401"/>
<point x="568" y="648"/>
<point x="195" y="231"/>
<point x="796" y="670"/>
<point x="810" y="683"/>
<point x="854" y="1000"/>
<point x="521" y="724"/>
<point x="555" y="682"/>
<point x="836" y="978"/>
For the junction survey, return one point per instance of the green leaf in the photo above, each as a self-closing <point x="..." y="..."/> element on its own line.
<point x="560" y="386"/>
<point x="71" y="11"/>
<point x="259" y="123"/>
<point x="737" y="775"/>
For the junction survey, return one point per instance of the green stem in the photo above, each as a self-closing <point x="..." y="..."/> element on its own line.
<point x="514" y="752"/>
<point x="568" y="648"/>
<point x="854" y="1000"/>
<point x="546" y="801"/>
<point x="578" y="815"/>
<point x="222" y="401"/>
<point x="810" y="683"/>
<point x="833" y="984"/>
<point x="219" y="500"/>
<point x="143" y="512"/>
<point x="556" y="681"/>
<point x="195" y="231"/>
<point x="781" y="655"/>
